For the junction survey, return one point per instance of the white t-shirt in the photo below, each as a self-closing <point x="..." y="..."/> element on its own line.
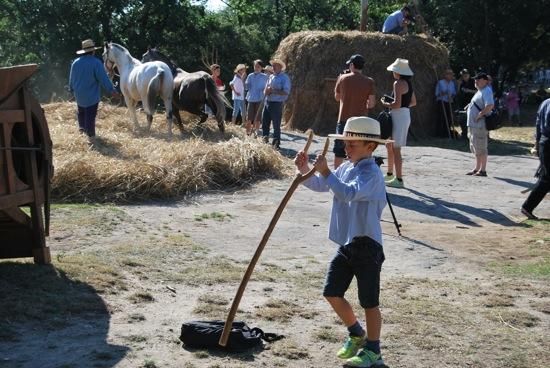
<point x="238" y="86"/>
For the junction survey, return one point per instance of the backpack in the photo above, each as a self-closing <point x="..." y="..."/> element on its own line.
<point x="206" y="335"/>
<point x="492" y="121"/>
<point x="386" y="125"/>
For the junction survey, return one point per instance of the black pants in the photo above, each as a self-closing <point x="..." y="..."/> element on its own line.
<point x="543" y="184"/>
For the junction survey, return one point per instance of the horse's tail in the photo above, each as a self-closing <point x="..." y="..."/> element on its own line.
<point x="153" y="90"/>
<point x="215" y="99"/>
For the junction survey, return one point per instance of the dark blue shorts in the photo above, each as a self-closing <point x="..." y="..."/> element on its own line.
<point x="339" y="145"/>
<point x="362" y="258"/>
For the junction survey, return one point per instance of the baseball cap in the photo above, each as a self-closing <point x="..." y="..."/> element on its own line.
<point x="357" y="60"/>
<point x="481" y="76"/>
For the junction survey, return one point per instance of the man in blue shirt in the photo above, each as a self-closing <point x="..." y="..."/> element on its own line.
<point x="277" y="91"/>
<point x="398" y="21"/>
<point x="86" y="77"/>
<point x="255" y="84"/>
<point x="445" y="92"/>
<point x="359" y="199"/>
<point x="543" y="149"/>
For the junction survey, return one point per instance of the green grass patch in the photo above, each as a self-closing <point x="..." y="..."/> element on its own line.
<point x="218" y="216"/>
<point x="539" y="268"/>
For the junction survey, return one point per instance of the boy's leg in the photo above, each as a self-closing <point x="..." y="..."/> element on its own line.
<point x="367" y="264"/>
<point x="338" y="279"/>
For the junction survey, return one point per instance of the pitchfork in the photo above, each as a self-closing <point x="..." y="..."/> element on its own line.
<point x="297" y="181"/>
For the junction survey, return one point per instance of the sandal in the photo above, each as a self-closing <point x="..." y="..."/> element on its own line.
<point x="473" y="172"/>
<point x="481" y="173"/>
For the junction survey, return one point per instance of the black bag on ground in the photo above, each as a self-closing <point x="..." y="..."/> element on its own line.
<point x="206" y="334"/>
<point x="386" y="125"/>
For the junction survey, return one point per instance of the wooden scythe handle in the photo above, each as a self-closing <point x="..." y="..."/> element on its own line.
<point x="297" y="180"/>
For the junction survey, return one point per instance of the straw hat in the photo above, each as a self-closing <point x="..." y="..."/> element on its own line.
<point x="278" y="61"/>
<point x="87" y="46"/>
<point x="361" y="128"/>
<point x="239" y="67"/>
<point x="401" y="67"/>
<point x="268" y="69"/>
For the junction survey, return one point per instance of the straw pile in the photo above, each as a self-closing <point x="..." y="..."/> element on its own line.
<point x="123" y="166"/>
<point x="315" y="58"/>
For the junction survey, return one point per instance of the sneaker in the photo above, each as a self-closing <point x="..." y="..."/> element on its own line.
<point x="365" y="358"/>
<point x="528" y="214"/>
<point x="389" y="177"/>
<point x="351" y="346"/>
<point x="276" y="144"/>
<point x="265" y="139"/>
<point x="395" y="183"/>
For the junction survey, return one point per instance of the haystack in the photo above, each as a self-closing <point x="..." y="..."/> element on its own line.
<point x="124" y="166"/>
<point x="315" y="58"/>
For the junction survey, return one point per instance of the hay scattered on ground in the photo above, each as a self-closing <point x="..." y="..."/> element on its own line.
<point x="315" y="58"/>
<point x="123" y="166"/>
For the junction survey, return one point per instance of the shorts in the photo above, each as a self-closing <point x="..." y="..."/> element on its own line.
<point x="401" y="120"/>
<point x="253" y="111"/>
<point x="362" y="258"/>
<point x="339" y="145"/>
<point x="478" y="140"/>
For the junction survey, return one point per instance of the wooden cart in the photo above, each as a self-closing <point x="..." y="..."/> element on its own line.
<point x="25" y="168"/>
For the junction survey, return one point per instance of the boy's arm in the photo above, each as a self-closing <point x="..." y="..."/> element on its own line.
<point x="362" y="188"/>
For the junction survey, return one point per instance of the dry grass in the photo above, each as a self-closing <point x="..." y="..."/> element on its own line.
<point x="315" y="58"/>
<point x="125" y="166"/>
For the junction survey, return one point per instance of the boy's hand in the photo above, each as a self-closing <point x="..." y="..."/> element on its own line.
<point x="301" y="162"/>
<point x="321" y="165"/>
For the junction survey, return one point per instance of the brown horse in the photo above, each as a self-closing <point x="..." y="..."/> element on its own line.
<point x="192" y="91"/>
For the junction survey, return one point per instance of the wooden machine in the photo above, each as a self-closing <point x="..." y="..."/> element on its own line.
<point x="25" y="168"/>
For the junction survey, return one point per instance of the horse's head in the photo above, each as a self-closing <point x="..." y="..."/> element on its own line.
<point x="108" y="59"/>
<point x="150" y="55"/>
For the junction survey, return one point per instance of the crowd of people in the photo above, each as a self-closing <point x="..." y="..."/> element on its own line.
<point x="258" y="97"/>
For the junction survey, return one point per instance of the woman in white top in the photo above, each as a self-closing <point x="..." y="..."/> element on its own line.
<point x="403" y="98"/>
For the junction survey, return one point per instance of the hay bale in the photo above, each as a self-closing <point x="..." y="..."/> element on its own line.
<point x="124" y="167"/>
<point x="315" y="58"/>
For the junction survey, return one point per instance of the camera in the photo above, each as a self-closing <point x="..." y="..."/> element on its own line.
<point x="388" y="99"/>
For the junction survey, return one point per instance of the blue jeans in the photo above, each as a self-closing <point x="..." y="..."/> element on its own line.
<point x="86" y="119"/>
<point x="273" y="112"/>
<point x="238" y="106"/>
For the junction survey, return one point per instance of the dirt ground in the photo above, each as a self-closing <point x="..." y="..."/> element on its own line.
<point x="466" y="285"/>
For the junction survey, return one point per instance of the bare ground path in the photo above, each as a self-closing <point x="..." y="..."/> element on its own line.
<point x="446" y="298"/>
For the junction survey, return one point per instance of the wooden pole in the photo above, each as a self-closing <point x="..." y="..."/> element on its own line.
<point x="364" y="15"/>
<point x="297" y="180"/>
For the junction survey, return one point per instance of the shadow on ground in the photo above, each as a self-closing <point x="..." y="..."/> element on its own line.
<point x="440" y="208"/>
<point x="39" y="306"/>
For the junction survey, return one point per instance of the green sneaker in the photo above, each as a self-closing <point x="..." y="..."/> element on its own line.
<point x="395" y="183"/>
<point x="351" y="347"/>
<point x="389" y="177"/>
<point x="365" y="358"/>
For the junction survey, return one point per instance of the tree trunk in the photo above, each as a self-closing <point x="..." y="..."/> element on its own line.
<point x="364" y="15"/>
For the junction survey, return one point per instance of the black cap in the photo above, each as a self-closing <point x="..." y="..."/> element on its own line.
<point x="357" y="60"/>
<point x="481" y="76"/>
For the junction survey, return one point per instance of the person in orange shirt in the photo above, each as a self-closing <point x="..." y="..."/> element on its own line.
<point x="356" y="94"/>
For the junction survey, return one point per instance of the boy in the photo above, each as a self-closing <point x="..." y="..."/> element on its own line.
<point x="359" y="198"/>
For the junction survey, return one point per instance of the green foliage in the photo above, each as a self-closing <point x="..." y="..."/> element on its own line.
<point x="493" y="34"/>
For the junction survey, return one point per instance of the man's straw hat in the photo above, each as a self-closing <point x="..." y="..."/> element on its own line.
<point x="87" y="46"/>
<point x="239" y="67"/>
<point x="401" y="67"/>
<point x="361" y="128"/>
<point x="278" y="61"/>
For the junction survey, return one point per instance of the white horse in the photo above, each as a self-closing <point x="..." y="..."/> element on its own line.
<point x="141" y="82"/>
